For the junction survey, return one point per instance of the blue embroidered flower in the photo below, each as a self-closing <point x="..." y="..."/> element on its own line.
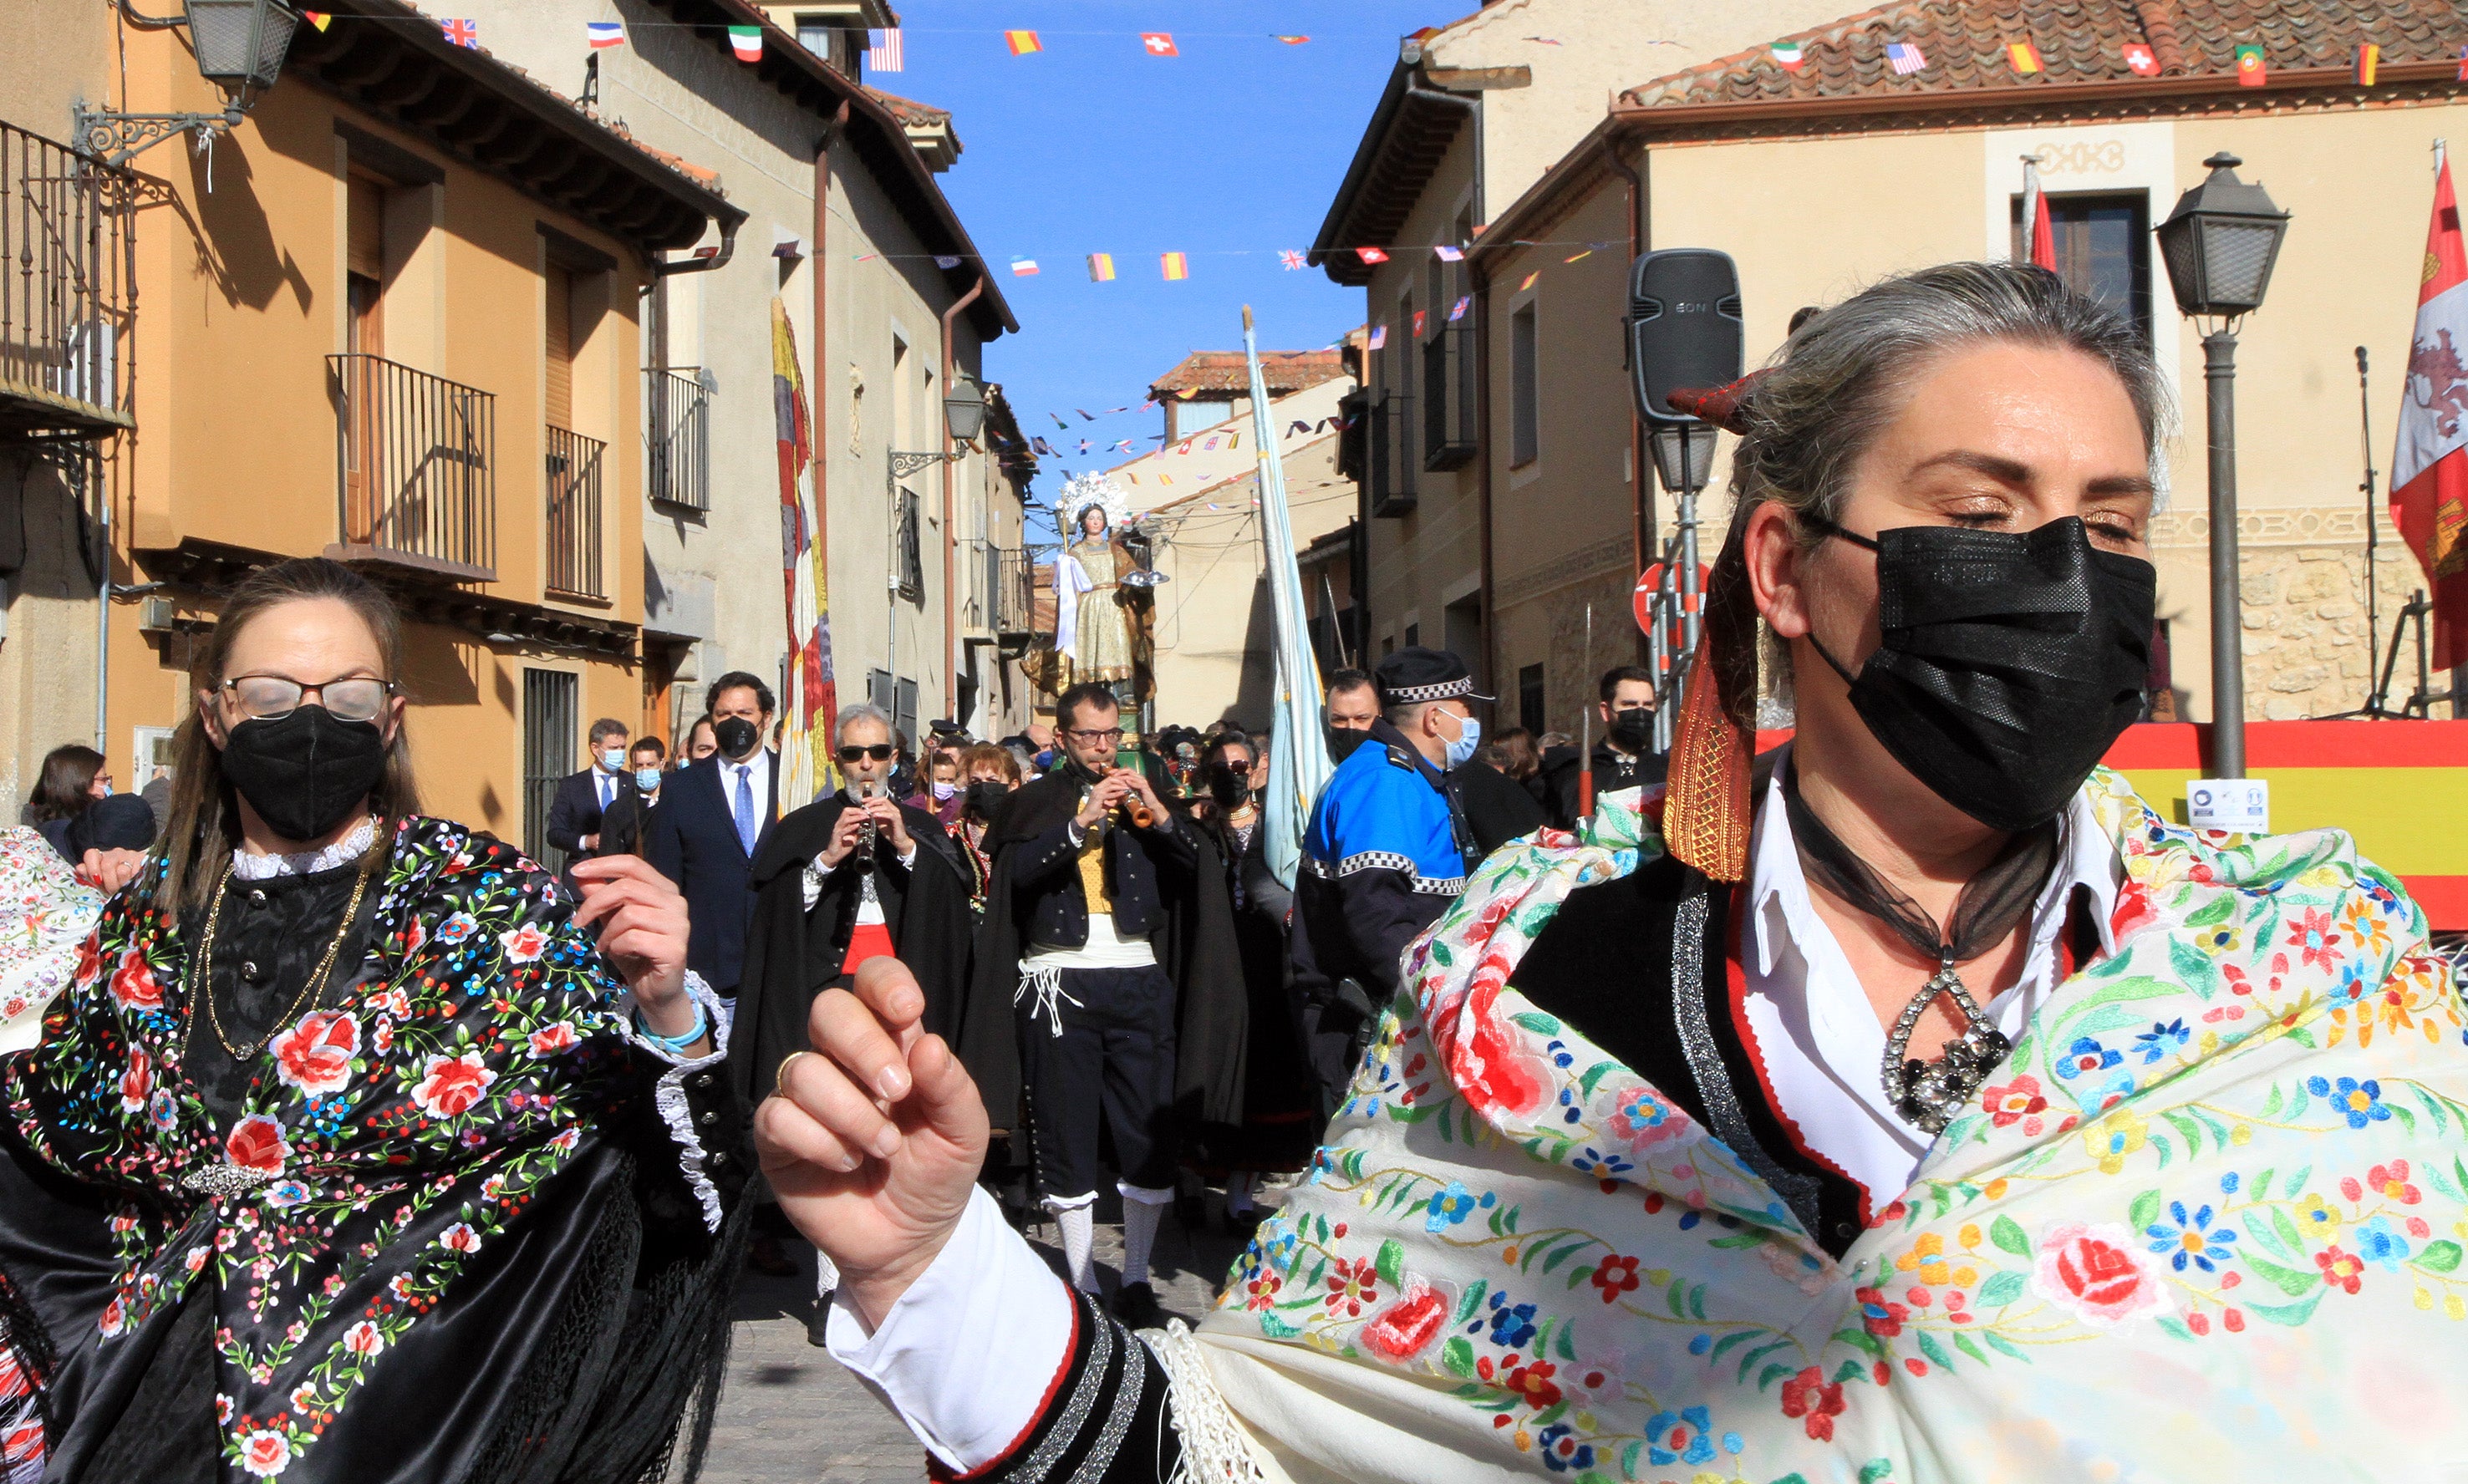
<point x="2361" y="1103"/>
<point x="457" y="927"/>
<point x="2352" y="985"/>
<point x="1560" y="1449"/>
<point x="1512" y="1325"/>
<point x="2193" y="1239"/>
<point x="2162" y="1038"/>
<point x="1449" y="1207"/>
<point x="2086" y="1054"/>
<point x="2378" y="1242"/>
<point x="1679" y="1438"/>
<point x="1601" y="1165"/>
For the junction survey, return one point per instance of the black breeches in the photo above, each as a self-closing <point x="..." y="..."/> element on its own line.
<point x="1112" y="1060"/>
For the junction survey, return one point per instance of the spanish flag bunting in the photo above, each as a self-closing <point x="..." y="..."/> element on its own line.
<point x="2025" y="56"/>
<point x="2368" y="58"/>
<point x="1176" y="267"/>
<point x="1100" y="267"/>
<point x="1293" y="41"/>
<point x="1529" y="281"/>
<point x="747" y="42"/>
<point x="1573" y="257"/>
<point x="2251" y="70"/>
<point x="317" y="18"/>
<point x="1022" y="42"/>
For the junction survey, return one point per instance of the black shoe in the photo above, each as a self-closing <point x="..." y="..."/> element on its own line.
<point x="1243" y="1222"/>
<point x="1136" y="1305"/>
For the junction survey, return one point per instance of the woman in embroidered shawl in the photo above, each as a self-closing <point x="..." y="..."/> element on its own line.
<point x="354" y="1150"/>
<point x="1915" y="1102"/>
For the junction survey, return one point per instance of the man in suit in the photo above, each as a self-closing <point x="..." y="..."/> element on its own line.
<point x="1624" y="755"/>
<point x="712" y="821"/>
<point x="621" y="825"/>
<point x="582" y="798"/>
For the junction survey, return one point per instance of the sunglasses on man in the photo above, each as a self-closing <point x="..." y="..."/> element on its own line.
<point x="880" y="752"/>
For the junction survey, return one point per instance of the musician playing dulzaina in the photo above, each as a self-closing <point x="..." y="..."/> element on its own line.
<point x="1916" y="1104"/>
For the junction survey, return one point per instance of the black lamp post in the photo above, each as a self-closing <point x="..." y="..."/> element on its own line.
<point x="2219" y="245"/>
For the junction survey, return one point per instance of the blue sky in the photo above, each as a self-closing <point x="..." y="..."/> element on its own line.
<point x="1227" y="152"/>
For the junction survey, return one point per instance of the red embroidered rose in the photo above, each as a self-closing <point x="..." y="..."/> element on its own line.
<point x="89" y="959"/>
<point x="1617" y="1275"/>
<point x="2099" y="1272"/>
<point x="136" y="1082"/>
<point x="363" y="1339"/>
<point x="460" y="1237"/>
<point x="256" y="1142"/>
<point x="133" y="985"/>
<point x="1534" y="1385"/>
<point x="1493" y="1070"/>
<point x="452" y="1084"/>
<point x="551" y="1040"/>
<point x="524" y="944"/>
<point x="2134" y="912"/>
<point x="1881" y="1317"/>
<point x="266" y="1453"/>
<point x="315" y="1056"/>
<point x="1810" y="1396"/>
<point x="2019" y="1101"/>
<point x="1402" y="1330"/>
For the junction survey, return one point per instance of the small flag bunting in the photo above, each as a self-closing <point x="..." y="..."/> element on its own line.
<point x="2143" y="61"/>
<point x="1379" y="336"/>
<point x="1022" y="42"/>
<point x="1289" y="258"/>
<point x="1904" y="57"/>
<point x="317" y="18"/>
<point x="1788" y="56"/>
<point x="1293" y="41"/>
<point x="1447" y="253"/>
<point x="1100" y="267"/>
<point x="1421" y="316"/>
<point x="1059" y="423"/>
<point x="884" y="51"/>
<point x="1529" y="281"/>
<point x="1023" y="268"/>
<point x="1174" y="265"/>
<point x="1457" y="311"/>
<point x="462" y="33"/>
<point x="748" y="42"/>
<point x="2025" y="56"/>
<point x="1573" y="257"/>
<point x="1371" y="255"/>
<point x="2369" y="61"/>
<point x="2463" y="64"/>
<point x="2251" y="70"/>
<point x="1085" y="416"/>
<point x="604" y="34"/>
<point x="1158" y="43"/>
<point x="945" y="263"/>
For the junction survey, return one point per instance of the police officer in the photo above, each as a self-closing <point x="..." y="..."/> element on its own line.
<point x="1388" y="850"/>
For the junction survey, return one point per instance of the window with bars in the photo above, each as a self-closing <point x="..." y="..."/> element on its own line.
<point x="551" y="714"/>
<point x="908" y="551"/>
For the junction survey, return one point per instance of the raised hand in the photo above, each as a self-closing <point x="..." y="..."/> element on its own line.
<point x="643" y="933"/>
<point x="107" y="871"/>
<point x="875" y="1137"/>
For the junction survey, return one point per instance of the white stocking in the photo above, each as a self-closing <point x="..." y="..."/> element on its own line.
<point x="1078" y="1235"/>
<point x="1142" y="1208"/>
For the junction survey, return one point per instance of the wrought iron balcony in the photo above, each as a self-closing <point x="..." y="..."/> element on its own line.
<point x="67" y="295"/>
<point x="677" y="416"/>
<point x="1000" y="587"/>
<point x="417" y="459"/>
<point x="574" y="463"/>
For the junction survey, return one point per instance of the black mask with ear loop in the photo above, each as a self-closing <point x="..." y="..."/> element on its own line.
<point x="2008" y="662"/>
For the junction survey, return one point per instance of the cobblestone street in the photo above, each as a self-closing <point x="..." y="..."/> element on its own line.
<point x="792" y="1415"/>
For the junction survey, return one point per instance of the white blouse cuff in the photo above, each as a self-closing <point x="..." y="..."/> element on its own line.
<point x="668" y="1094"/>
<point x="968" y="1354"/>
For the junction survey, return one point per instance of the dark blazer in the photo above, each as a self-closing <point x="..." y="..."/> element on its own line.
<point x="693" y="841"/>
<point x="625" y="825"/>
<point x="1047" y="873"/>
<point x="575" y="812"/>
<point x="1613" y="770"/>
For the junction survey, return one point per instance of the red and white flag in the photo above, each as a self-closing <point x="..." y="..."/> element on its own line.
<point x="2430" y="469"/>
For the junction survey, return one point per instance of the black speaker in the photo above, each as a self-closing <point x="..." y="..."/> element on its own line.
<point x="1683" y="327"/>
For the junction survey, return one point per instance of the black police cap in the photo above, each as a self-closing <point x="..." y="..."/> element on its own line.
<point x="1414" y="675"/>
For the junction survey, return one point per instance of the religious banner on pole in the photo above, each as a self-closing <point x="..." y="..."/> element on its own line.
<point x="2428" y="487"/>
<point x="811" y="702"/>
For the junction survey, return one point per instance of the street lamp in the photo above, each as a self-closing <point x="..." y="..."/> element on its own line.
<point x="2219" y="245"/>
<point x="964" y="410"/>
<point x="240" y="47"/>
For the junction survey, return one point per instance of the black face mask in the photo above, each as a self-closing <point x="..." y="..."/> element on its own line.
<point x="305" y="772"/>
<point x="1343" y="740"/>
<point x="2009" y="662"/>
<point x="736" y="737"/>
<point x="985" y="796"/>
<point x="1228" y="788"/>
<point x="1633" y="727"/>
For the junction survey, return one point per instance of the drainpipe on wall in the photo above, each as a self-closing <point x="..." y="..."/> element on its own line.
<point x="816" y="396"/>
<point x="950" y="523"/>
<point x="661" y="269"/>
<point x="1640" y="476"/>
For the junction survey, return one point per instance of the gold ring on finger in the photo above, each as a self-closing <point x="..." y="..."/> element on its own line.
<point x="780" y="1078"/>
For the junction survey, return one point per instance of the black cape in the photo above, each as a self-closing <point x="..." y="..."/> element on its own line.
<point x="1280" y="1091"/>
<point x="791" y="954"/>
<point x="1197" y="948"/>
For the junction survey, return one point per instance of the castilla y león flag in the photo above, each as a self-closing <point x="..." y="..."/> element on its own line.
<point x="2430" y="470"/>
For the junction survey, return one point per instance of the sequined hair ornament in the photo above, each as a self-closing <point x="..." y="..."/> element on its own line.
<point x="1079" y="492"/>
<point x="1706" y="811"/>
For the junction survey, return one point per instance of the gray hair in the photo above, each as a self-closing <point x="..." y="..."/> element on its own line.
<point x="1837" y="383"/>
<point x="861" y="712"/>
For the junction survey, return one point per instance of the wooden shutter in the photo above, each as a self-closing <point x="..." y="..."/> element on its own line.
<point x="365" y="233"/>
<point x="561" y="347"/>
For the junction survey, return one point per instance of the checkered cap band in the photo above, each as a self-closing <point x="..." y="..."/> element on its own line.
<point x="1415" y="695"/>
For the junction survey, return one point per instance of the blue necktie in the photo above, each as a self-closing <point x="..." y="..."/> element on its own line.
<point x="745" y="809"/>
<point x="608" y="792"/>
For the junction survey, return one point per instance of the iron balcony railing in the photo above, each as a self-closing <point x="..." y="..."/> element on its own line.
<point x="574" y="463"/>
<point x="1002" y="589"/>
<point x="67" y="290"/>
<point x="677" y="407"/>
<point x="417" y="457"/>
<point x="1449" y="399"/>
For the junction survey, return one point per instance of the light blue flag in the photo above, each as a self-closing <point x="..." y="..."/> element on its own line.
<point x="1298" y="761"/>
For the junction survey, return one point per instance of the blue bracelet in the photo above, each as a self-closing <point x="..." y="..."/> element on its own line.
<point x="676" y="1046"/>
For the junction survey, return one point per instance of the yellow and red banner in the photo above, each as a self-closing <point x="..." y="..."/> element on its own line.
<point x="811" y="698"/>
<point x="1022" y="42"/>
<point x="1174" y="265"/>
<point x="2429" y="483"/>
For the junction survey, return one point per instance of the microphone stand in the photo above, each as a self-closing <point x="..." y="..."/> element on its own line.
<point x="2373" y="532"/>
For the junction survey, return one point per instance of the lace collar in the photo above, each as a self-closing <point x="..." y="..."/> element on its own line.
<point x="248" y="867"/>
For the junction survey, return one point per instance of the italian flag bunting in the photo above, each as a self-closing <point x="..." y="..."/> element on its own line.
<point x="2429" y="488"/>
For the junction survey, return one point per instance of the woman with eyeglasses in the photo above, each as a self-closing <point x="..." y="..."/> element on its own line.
<point x="356" y="1148"/>
<point x="1914" y="1102"/>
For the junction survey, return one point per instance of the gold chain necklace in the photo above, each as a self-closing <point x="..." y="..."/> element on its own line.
<point x="313" y="988"/>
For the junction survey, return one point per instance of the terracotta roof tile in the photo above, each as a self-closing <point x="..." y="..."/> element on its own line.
<point x="1226" y="371"/>
<point x="2079" y="41"/>
<point x="908" y="110"/>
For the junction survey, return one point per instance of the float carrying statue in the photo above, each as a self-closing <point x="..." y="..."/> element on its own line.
<point x="1102" y="582"/>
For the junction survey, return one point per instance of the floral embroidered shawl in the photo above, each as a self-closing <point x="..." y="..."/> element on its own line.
<point x="2207" y="1222"/>
<point x="401" y="1130"/>
<point x="45" y="912"/>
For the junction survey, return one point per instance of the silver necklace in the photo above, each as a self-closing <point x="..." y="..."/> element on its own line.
<point x="1927" y="1095"/>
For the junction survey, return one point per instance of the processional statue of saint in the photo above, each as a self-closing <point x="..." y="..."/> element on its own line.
<point x="1104" y="605"/>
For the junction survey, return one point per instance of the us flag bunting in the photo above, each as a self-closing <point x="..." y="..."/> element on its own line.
<point x="883" y="52"/>
<point x="1904" y="57"/>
